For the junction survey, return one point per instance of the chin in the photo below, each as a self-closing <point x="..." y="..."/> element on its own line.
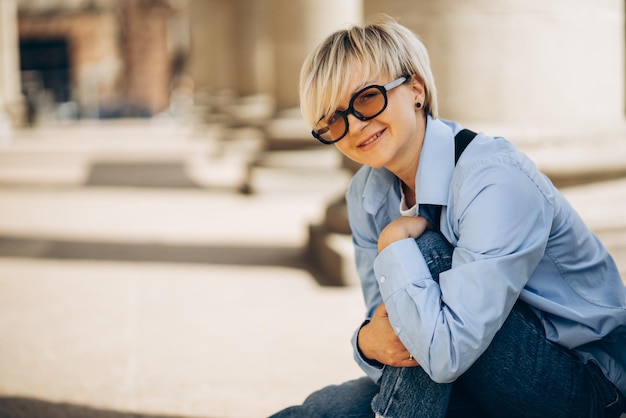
<point x="376" y="165"/>
<point x="354" y="156"/>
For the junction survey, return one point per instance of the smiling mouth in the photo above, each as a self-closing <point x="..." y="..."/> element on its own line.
<point x="371" y="139"/>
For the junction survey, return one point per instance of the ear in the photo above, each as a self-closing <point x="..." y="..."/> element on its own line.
<point x="417" y="87"/>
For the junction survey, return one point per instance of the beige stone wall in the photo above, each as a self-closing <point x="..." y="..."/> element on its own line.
<point x="255" y="69"/>
<point x="298" y="27"/>
<point x="258" y="46"/>
<point x="213" y="34"/>
<point x="535" y="67"/>
<point x="289" y="37"/>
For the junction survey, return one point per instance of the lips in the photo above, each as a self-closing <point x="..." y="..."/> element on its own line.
<point x="371" y="139"/>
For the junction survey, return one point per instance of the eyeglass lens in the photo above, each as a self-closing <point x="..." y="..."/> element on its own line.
<point x="365" y="105"/>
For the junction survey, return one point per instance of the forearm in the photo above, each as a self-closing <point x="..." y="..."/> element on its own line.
<point x="402" y="228"/>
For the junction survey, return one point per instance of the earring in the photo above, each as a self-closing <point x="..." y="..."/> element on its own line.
<point x="418" y="105"/>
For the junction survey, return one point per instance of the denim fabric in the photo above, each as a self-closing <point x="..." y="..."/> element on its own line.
<point x="351" y="399"/>
<point x="521" y="374"/>
<point x="437" y="252"/>
<point x="409" y="391"/>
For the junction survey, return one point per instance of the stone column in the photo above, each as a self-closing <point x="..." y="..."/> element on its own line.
<point x="535" y="70"/>
<point x="11" y="102"/>
<point x="329" y="247"/>
<point x="148" y="63"/>
<point x="213" y="44"/>
<point x="255" y="51"/>
<point x="299" y="25"/>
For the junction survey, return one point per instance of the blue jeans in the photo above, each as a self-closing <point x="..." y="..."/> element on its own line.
<point x="521" y="374"/>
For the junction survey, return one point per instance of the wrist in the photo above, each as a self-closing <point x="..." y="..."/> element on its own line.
<point x="368" y="360"/>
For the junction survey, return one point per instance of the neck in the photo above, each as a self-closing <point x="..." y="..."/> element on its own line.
<point x="405" y="168"/>
<point x="406" y="171"/>
<point x="409" y="193"/>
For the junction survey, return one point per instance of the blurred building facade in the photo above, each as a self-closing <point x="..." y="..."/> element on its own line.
<point x="531" y="70"/>
<point x="104" y="58"/>
<point x="536" y="67"/>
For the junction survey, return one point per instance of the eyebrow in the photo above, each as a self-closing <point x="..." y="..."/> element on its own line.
<point x="353" y="92"/>
<point x="362" y="86"/>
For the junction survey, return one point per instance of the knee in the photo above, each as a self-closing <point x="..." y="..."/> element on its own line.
<point x="433" y="241"/>
<point x="436" y="250"/>
<point x="404" y="390"/>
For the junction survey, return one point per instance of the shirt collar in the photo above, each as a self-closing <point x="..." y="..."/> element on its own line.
<point x="434" y="172"/>
<point x="436" y="164"/>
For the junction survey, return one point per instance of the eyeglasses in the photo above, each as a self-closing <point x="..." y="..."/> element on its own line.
<point x="366" y="104"/>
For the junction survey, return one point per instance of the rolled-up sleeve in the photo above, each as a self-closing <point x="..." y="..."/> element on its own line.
<point x="365" y="255"/>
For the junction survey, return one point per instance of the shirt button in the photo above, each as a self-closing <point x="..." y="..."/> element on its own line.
<point x="383" y="279"/>
<point x="398" y="329"/>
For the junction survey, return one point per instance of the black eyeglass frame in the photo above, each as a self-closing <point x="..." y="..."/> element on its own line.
<point x="351" y="110"/>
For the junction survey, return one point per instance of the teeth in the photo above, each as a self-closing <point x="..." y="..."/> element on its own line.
<point x="372" y="139"/>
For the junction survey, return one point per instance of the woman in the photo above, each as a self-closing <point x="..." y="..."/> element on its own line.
<point x="486" y="294"/>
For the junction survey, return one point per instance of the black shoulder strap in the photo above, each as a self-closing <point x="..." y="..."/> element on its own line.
<point x="461" y="141"/>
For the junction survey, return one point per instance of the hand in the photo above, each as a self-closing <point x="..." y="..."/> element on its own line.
<point x="401" y="228"/>
<point x="377" y="341"/>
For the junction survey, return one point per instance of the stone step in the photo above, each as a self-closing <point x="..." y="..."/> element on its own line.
<point x="289" y="131"/>
<point x="332" y="257"/>
<point x="126" y="155"/>
<point x="293" y="170"/>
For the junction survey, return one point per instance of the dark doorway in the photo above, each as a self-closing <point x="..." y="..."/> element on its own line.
<point x="47" y="60"/>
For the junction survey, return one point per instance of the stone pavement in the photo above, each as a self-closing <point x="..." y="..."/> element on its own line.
<point x="136" y="280"/>
<point x="188" y="299"/>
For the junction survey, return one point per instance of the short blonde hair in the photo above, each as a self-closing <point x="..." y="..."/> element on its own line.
<point x="379" y="48"/>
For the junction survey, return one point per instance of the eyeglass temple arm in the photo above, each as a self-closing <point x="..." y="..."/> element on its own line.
<point x="395" y="83"/>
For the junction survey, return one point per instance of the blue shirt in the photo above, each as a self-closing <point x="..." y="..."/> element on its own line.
<point x="514" y="236"/>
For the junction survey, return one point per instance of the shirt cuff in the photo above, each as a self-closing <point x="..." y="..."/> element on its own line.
<point x="399" y="265"/>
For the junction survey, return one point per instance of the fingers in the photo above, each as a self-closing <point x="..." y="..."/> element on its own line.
<point x="404" y="361"/>
<point x="385" y="347"/>
<point x="410" y="362"/>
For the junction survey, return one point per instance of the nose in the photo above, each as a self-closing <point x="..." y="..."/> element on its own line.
<point x="355" y="124"/>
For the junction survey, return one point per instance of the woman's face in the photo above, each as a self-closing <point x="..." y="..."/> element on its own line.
<point x="388" y="139"/>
